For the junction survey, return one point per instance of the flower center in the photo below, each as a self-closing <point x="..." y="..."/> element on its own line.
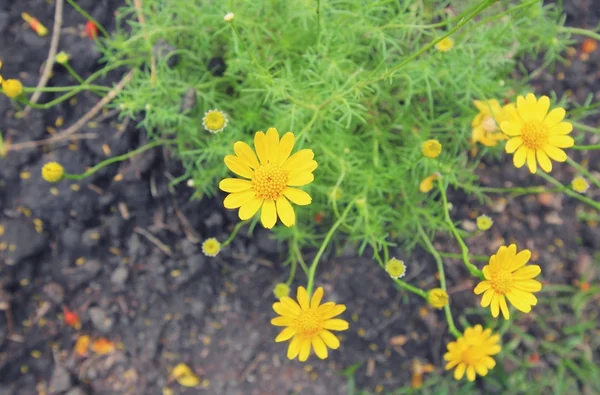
<point x="501" y="281"/>
<point x="269" y="181"/>
<point x="489" y="124"/>
<point x="214" y="120"/>
<point x="534" y="134"/>
<point x="309" y="323"/>
<point x="472" y="355"/>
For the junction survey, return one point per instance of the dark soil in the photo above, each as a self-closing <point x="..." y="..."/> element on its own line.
<point x="121" y="249"/>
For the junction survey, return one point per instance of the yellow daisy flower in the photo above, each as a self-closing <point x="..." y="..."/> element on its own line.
<point x="427" y="184"/>
<point x="214" y="121"/>
<point x="484" y="222"/>
<point x="281" y="290"/>
<point x="579" y="184"/>
<point x="507" y="276"/>
<point x="536" y="133"/>
<point x="12" y="88"/>
<point x="431" y="149"/>
<point x="471" y="353"/>
<point x="308" y="324"/>
<point x="269" y="178"/>
<point x="437" y="298"/>
<point x="395" y="268"/>
<point x="485" y="129"/>
<point x="445" y="45"/>
<point x="53" y="172"/>
<point x="211" y="247"/>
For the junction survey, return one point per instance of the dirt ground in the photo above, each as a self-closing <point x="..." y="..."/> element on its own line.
<point x="120" y="249"/>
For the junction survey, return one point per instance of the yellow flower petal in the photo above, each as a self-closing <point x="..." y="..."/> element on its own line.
<point x="487" y="298"/>
<point x="246" y="154"/>
<point x="315" y="300"/>
<point x="555" y="153"/>
<point x="302" y="297"/>
<point x="531" y="163"/>
<point x="248" y="209"/>
<point x="520" y="157"/>
<point x="543" y="105"/>
<point x="261" y="147"/>
<point x="543" y="160"/>
<point x="304" y="350"/>
<point x="297" y="196"/>
<point x="306" y="167"/>
<point x="232" y="185"/>
<point x="460" y="371"/>
<point x="285" y="211"/>
<point x="293" y="348"/>
<point x="238" y="166"/>
<point x="235" y="200"/>
<point x="521" y="300"/>
<point x="334" y="311"/>
<point x="286" y="144"/>
<point x="285" y="334"/>
<point x="519" y="260"/>
<point x="319" y="347"/>
<point x="291" y="304"/>
<point x="273" y="145"/>
<point x="298" y="159"/>
<point x="481" y="287"/>
<point x="268" y="214"/>
<point x="503" y="307"/>
<point x="471" y="373"/>
<point x="330" y="339"/>
<point x="554" y="117"/>
<point x="495" y="305"/>
<point x="513" y="144"/>
<point x="561" y="128"/>
<point x="282" y="321"/>
<point x="561" y="141"/>
<point x="283" y="310"/>
<point x="528" y="285"/>
<point x="336" y="324"/>
<point x="527" y="273"/>
<point x="301" y="179"/>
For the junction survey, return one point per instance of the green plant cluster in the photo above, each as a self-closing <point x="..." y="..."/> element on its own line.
<point x="347" y="82"/>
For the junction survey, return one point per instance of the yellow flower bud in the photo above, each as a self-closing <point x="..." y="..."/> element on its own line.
<point x="53" y="172"/>
<point x="437" y="298"/>
<point x="281" y="290"/>
<point x="431" y="149"/>
<point x="484" y="222"/>
<point x="12" y="88"/>
<point x="62" y="57"/>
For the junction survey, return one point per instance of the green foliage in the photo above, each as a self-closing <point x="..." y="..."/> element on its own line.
<point x="332" y="79"/>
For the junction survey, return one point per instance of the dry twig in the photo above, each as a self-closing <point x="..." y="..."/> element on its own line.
<point x="154" y="240"/>
<point x="58" y="11"/>
<point x="66" y="134"/>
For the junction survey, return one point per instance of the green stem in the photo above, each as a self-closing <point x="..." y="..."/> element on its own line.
<point x="585" y="147"/>
<point x="481" y="258"/>
<point x="581" y="32"/>
<point x="119" y="158"/>
<point x="584" y="171"/>
<point x="68" y="88"/>
<point x="299" y="257"/>
<point x="315" y="262"/>
<point x="292" y="272"/>
<point x="568" y="191"/>
<point x="401" y="284"/>
<point x="88" y="16"/>
<point x="234" y="233"/>
<point x="463" y="247"/>
<point x="520" y="190"/>
<point x="585" y="127"/>
<point x="440" y="266"/>
<point x="73" y="73"/>
<point x="318" y="20"/>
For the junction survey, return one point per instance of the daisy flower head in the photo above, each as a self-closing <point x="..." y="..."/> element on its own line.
<point x="53" y="172"/>
<point x="281" y="290"/>
<point x="536" y="135"/>
<point x="214" y="121"/>
<point x="484" y="222"/>
<point x="472" y="353"/>
<point x="395" y="268"/>
<point x="12" y="88"/>
<point x="431" y="149"/>
<point x="229" y="17"/>
<point x="445" y="45"/>
<point x="211" y="247"/>
<point x="427" y="184"/>
<point x="269" y="178"/>
<point x="579" y="184"/>
<point x="437" y="298"/>
<point x="485" y="125"/>
<point x="308" y="324"/>
<point x="508" y="277"/>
